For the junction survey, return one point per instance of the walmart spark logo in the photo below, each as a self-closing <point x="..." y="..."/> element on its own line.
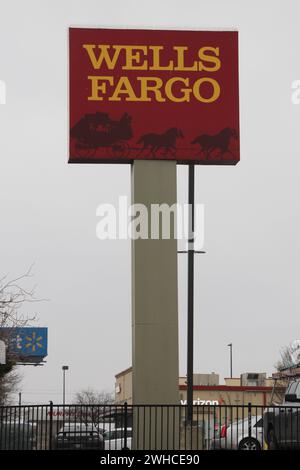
<point x="27" y="342"/>
<point x="33" y="342"/>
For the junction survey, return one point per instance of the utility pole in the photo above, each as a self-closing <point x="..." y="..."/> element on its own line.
<point x="230" y="346"/>
<point x="64" y="368"/>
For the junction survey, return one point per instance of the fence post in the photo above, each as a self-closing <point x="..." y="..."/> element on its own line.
<point x="125" y="425"/>
<point x="51" y="426"/>
<point x="249" y="420"/>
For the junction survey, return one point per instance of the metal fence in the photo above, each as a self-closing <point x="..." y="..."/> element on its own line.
<point x="149" y="427"/>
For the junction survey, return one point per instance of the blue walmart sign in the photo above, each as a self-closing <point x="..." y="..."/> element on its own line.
<point x="27" y="341"/>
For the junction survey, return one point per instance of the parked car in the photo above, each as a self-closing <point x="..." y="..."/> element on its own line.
<point x="15" y="435"/>
<point x="78" y="436"/>
<point x="236" y="436"/>
<point x="282" y="423"/>
<point x="104" y="427"/>
<point x="68" y="427"/>
<point x="115" y="440"/>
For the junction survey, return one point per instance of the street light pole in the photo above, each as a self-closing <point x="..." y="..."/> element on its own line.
<point x="64" y="368"/>
<point x="230" y="346"/>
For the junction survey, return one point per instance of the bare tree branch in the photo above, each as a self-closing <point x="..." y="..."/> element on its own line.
<point x="13" y="296"/>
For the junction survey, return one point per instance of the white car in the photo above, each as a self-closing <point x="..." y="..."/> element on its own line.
<point x="236" y="436"/>
<point x="114" y="440"/>
<point x="104" y="427"/>
<point x="74" y="427"/>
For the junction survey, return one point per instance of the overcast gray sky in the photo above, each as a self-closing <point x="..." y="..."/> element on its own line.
<point x="246" y="285"/>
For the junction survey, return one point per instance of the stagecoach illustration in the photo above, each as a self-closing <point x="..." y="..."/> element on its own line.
<point x="98" y="130"/>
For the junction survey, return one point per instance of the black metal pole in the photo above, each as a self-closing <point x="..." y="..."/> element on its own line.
<point x="190" y="325"/>
<point x="64" y="368"/>
<point x="231" y="361"/>
<point x="230" y="346"/>
<point x="51" y="426"/>
<point x="64" y="387"/>
<point x="125" y="425"/>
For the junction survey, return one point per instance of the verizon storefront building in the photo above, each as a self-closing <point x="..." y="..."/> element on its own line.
<point x="253" y="388"/>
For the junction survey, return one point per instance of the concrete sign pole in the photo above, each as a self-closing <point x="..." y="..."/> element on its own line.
<point x="154" y="299"/>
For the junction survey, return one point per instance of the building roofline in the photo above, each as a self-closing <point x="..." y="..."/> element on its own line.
<point x="228" y="388"/>
<point x="123" y="372"/>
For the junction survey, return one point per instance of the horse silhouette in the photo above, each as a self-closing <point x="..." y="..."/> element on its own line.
<point x="220" y="141"/>
<point x="166" y="141"/>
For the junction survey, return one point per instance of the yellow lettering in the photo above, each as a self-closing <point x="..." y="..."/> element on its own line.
<point x="216" y="90"/>
<point x="123" y="88"/>
<point x="103" y="55"/>
<point x="133" y="58"/>
<point x="186" y="91"/>
<point x="97" y="86"/>
<point x="156" y="59"/>
<point x="155" y="88"/>
<point x="180" y="59"/>
<point x="209" y="58"/>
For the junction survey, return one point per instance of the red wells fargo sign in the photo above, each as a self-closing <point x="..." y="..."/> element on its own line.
<point x="149" y="94"/>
